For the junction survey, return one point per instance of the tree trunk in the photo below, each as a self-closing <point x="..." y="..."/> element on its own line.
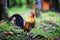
<point x="28" y="3"/>
<point x="8" y="4"/>
<point x="38" y="7"/>
<point x="14" y="3"/>
<point x="32" y="3"/>
<point x="20" y="4"/>
<point x="3" y="10"/>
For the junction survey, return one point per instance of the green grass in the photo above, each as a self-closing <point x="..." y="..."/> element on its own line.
<point x="46" y="16"/>
<point x="40" y="23"/>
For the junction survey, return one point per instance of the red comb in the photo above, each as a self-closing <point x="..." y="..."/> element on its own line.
<point x="32" y="14"/>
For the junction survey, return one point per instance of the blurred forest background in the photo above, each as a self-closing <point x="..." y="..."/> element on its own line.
<point x="18" y="6"/>
<point x="10" y="7"/>
<point x="46" y="25"/>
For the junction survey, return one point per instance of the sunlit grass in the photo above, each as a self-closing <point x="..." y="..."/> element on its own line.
<point x="19" y="10"/>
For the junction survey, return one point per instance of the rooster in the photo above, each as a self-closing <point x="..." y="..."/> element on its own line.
<point x="19" y="21"/>
<point x="30" y="23"/>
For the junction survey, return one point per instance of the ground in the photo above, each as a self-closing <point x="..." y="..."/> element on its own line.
<point x="41" y="27"/>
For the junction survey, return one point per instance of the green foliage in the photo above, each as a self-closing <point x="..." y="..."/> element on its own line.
<point x="58" y="20"/>
<point x="49" y="30"/>
<point x="6" y="27"/>
<point x="52" y="13"/>
<point x="20" y="31"/>
<point x="46" y="29"/>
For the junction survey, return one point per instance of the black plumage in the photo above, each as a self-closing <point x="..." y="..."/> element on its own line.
<point x="19" y="21"/>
